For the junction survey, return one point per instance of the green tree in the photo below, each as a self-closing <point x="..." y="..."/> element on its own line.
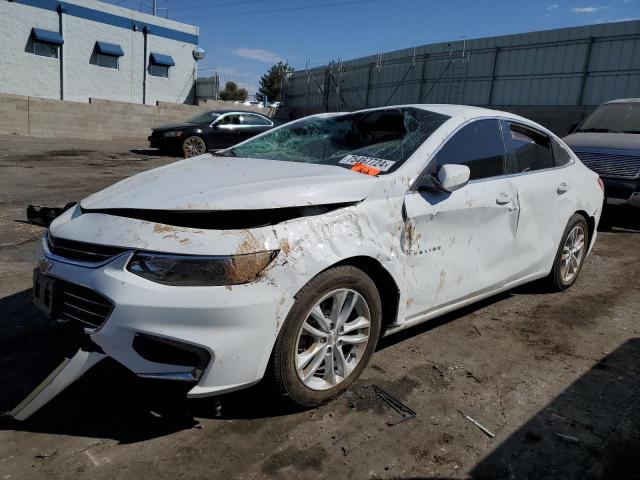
<point x="231" y="92"/>
<point x="272" y="82"/>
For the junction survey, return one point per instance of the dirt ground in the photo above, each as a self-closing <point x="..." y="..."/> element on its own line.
<point x="555" y="376"/>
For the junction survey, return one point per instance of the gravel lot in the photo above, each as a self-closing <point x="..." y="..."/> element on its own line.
<point x="556" y="376"/>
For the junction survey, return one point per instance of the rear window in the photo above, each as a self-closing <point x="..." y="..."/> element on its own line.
<point x="528" y="149"/>
<point x="379" y="139"/>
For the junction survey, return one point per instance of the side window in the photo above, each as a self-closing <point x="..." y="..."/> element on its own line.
<point x="560" y="153"/>
<point x="230" y="119"/>
<point x="528" y="149"/>
<point x="254" y="120"/>
<point x="478" y="146"/>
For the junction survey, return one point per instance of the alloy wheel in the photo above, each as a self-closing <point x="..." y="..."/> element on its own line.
<point x="194" y="146"/>
<point x="333" y="338"/>
<point x="572" y="253"/>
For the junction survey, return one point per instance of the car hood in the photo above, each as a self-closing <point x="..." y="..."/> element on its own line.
<point x="616" y="141"/>
<point x="208" y="183"/>
<point x="175" y="126"/>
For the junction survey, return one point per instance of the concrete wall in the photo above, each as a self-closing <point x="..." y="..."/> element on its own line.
<point x="96" y="120"/>
<point x="24" y="73"/>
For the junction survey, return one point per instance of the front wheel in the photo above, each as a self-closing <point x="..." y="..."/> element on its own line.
<point x="571" y="253"/>
<point x="328" y="337"/>
<point x="193" y="146"/>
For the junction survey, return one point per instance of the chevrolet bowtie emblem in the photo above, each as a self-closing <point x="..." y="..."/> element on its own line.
<point x="44" y="266"/>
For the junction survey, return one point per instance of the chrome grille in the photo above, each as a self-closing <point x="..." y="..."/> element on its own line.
<point x="82" y="251"/>
<point x="81" y="304"/>
<point x="608" y="164"/>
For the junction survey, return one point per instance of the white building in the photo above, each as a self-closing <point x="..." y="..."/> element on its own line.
<point x="81" y="49"/>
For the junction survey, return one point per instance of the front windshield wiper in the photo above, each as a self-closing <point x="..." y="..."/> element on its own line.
<point x="630" y="131"/>
<point x="224" y="153"/>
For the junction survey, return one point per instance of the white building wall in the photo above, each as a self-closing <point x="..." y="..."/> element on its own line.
<point x="24" y="73"/>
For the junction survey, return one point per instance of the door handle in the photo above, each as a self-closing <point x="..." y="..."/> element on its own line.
<point x="504" y="198"/>
<point x="563" y="188"/>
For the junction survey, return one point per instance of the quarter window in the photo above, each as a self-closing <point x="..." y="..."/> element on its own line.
<point x="528" y="149"/>
<point x="560" y="153"/>
<point x="478" y="146"/>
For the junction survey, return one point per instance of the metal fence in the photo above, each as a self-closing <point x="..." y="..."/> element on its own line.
<point x="208" y="88"/>
<point x="581" y="66"/>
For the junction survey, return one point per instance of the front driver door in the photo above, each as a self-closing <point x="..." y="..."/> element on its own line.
<point x="458" y="244"/>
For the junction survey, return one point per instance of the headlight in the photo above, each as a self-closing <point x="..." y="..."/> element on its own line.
<point x="194" y="270"/>
<point x="177" y="133"/>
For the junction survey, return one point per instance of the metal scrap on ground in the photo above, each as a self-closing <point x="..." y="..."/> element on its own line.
<point x="477" y="424"/>
<point x="394" y="403"/>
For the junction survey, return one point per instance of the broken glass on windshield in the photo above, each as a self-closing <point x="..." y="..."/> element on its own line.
<point x="380" y="139"/>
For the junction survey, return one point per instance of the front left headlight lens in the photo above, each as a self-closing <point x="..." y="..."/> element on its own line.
<point x="200" y="271"/>
<point x="176" y="133"/>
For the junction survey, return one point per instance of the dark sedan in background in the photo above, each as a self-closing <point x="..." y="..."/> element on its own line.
<point x="608" y="142"/>
<point x="210" y="130"/>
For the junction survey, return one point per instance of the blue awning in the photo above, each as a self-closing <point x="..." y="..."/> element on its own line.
<point x="109" y="49"/>
<point x="159" y="59"/>
<point x="47" y="36"/>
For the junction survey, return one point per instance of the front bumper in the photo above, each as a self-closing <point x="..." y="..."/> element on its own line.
<point x="236" y="325"/>
<point x="622" y="191"/>
<point x="164" y="143"/>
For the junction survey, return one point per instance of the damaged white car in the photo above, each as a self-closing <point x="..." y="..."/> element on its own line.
<point x="289" y="255"/>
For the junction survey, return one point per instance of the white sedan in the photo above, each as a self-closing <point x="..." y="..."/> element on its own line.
<point x="289" y="255"/>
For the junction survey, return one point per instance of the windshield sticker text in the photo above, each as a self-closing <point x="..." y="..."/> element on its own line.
<point x="376" y="163"/>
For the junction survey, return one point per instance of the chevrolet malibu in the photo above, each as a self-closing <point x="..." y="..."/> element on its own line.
<point x="289" y="255"/>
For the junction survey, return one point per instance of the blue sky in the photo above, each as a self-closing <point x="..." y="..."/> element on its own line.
<point x="243" y="38"/>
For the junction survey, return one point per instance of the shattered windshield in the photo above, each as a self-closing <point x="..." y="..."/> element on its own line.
<point x="614" y="117"/>
<point x="379" y="140"/>
<point x="205" y="118"/>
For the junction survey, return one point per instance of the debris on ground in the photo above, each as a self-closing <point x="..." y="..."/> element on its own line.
<point x="394" y="403"/>
<point x="43" y="216"/>
<point x="46" y="455"/>
<point x="478" y="424"/>
<point x="566" y="438"/>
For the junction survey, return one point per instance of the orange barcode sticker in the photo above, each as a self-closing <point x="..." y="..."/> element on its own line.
<point x="362" y="168"/>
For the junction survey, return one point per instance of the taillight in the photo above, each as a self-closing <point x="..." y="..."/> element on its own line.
<point x="601" y="184"/>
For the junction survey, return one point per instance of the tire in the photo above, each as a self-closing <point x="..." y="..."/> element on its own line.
<point x="562" y="276"/>
<point x="295" y="344"/>
<point x="193" y="146"/>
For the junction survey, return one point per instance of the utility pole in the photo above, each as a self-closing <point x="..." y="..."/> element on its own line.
<point x="155" y="7"/>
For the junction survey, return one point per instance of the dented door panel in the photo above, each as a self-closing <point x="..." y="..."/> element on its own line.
<point x="455" y="243"/>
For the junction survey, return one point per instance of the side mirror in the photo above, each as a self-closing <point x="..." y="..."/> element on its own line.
<point x="449" y="177"/>
<point x="574" y="127"/>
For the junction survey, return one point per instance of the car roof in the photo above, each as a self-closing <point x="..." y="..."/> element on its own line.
<point x="222" y="112"/>
<point x="466" y="111"/>
<point x="623" y="100"/>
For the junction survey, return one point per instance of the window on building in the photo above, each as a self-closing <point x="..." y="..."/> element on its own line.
<point x="159" y="65"/>
<point x="107" y="54"/>
<point x="159" y="70"/>
<point x="478" y="146"/>
<point x="529" y="150"/>
<point x="46" y="43"/>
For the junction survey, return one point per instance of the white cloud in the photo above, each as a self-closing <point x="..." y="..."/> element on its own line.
<point x="257" y="54"/>
<point x="555" y="6"/>
<point x="587" y="9"/>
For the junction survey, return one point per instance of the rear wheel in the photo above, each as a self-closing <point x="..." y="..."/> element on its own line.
<point x="193" y="146"/>
<point x="571" y="253"/>
<point x="328" y="337"/>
